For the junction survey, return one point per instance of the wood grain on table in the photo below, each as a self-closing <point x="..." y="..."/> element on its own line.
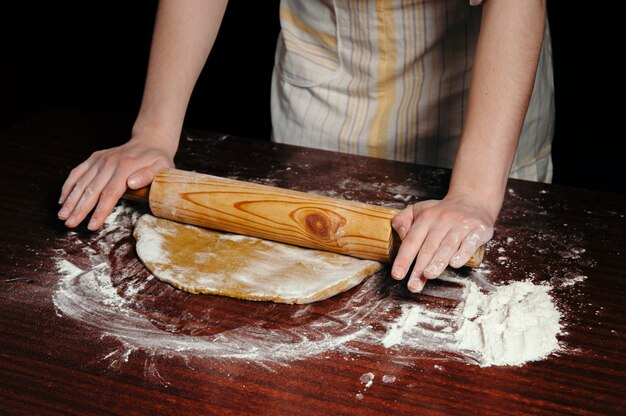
<point x="114" y="340"/>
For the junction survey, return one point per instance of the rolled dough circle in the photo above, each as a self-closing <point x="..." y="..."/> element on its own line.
<point x="199" y="260"/>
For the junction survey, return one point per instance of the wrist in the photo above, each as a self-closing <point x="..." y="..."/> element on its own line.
<point x="156" y="134"/>
<point x="487" y="199"/>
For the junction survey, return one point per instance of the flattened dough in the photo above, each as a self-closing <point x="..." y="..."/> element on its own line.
<point x="198" y="260"/>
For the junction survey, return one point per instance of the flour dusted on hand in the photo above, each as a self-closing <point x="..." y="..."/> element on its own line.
<point x="512" y="325"/>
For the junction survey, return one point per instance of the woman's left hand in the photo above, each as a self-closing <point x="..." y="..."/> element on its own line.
<point x="438" y="233"/>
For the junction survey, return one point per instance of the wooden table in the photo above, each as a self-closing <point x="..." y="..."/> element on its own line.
<point x="111" y="339"/>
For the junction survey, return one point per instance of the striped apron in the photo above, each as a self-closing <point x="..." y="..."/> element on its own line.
<point x="389" y="79"/>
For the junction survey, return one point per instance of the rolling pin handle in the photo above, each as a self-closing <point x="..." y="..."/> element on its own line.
<point x="139" y="195"/>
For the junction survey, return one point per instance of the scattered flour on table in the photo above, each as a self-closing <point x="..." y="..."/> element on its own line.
<point x="67" y="269"/>
<point x="387" y="379"/>
<point x="367" y="379"/>
<point x="490" y="325"/>
<point x="412" y="317"/>
<point x="572" y="280"/>
<point x="104" y="294"/>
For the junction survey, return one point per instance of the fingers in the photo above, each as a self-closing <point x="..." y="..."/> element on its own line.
<point x="101" y="186"/>
<point x="87" y="199"/>
<point x="416" y="283"/>
<point x="402" y="222"/>
<point x="407" y="252"/>
<point x="405" y="226"/>
<point x="425" y="257"/>
<point x="71" y="180"/>
<point x="111" y="193"/>
<point x="420" y="243"/>
<point x="432" y="255"/>
<point x="448" y="246"/>
<point x="114" y="190"/>
<point x="75" y="198"/>
<point x="436" y="234"/>
<point x="474" y="239"/>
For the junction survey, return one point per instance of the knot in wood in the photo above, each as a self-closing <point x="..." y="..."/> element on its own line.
<point x="319" y="224"/>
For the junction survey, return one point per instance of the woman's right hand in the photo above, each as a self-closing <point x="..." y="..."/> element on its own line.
<point x="101" y="180"/>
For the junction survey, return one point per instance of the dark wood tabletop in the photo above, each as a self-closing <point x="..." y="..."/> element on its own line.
<point x="86" y="329"/>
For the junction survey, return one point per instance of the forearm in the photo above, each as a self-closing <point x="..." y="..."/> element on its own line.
<point x="184" y="34"/>
<point x="502" y="80"/>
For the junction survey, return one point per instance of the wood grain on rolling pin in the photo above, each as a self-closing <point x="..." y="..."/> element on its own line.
<point x="307" y="220"/>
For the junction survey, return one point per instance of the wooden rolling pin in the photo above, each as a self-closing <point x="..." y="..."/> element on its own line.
<point x="307" y="220"/>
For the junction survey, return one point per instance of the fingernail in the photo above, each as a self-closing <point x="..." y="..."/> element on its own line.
<point x="432" y="270"/>
<point x="455" y="261"/>
<point x="92" y="224"/>
<point x="133" y="182"/>
<point x="397" y="272"/>
<point x="402" y="232"/>
<point x="63" y="213"/>
<point x="416" y="285"/>
<point x="61" y="199"/>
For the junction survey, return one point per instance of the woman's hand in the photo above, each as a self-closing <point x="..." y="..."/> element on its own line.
<point x="101" y="180"/>
<point x="438" y="233"/>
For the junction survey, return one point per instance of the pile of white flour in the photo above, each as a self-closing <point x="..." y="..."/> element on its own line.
<point x="514" y="324"/>
<point x="505" y="325"/>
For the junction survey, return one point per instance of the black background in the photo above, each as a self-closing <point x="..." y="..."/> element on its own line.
<point x="93" y="55"/>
